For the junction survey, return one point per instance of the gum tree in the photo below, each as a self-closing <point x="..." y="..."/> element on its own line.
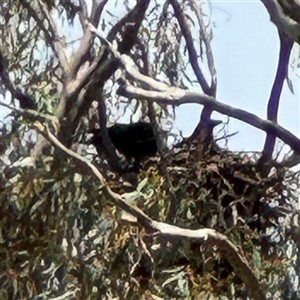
<point x="197" y="221"/>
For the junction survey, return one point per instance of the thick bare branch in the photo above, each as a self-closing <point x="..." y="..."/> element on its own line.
<point x="283" y="21"/>
<point x="286" y="45"/>
<point x="291" y="8"/>
<point x="135" y="16"/>
<point x="55" y="38"/>
<point x="204" y="236"/>
<point x="80" y="56"/>
<point x="97" y="8"/>
<point x="104" y="65"/>
<point x="176" y="96"/>
<point x="83" y="15"/>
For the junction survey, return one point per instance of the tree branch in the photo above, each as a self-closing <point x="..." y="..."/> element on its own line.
<point x="193" y="56"/>
<point x="81" y="55"/>
<point x="25" y="100"/>
<point x="284" y="23"/>
<point x="112" y="157"/>
<point x="204" y="127"/>
<point x="177" y="96"/>
<point x="196" y="7"/>
<point x="135" y="16"/>
<point x="97" y="9"/>
<point x="51" y="33"/>
<point x="286" y="45"/>
<point x="291" y="8"/>
<point x="83" y="15"/>
<point x="32" y="113"/>
<point x="101" y="69"/>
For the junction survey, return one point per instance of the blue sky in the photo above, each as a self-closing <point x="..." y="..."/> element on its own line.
<point x="246" y="47"/>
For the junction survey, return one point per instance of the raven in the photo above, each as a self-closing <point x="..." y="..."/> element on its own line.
<point x="136" y="140"/>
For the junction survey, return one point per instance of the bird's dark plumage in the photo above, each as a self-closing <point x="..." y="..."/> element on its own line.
<point x="135" y="140"/>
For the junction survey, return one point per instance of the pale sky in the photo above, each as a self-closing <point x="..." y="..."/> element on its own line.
<point x="246" y="47"/>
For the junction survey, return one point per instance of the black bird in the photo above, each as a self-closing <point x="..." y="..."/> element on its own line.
<point x="135" y="140"/>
